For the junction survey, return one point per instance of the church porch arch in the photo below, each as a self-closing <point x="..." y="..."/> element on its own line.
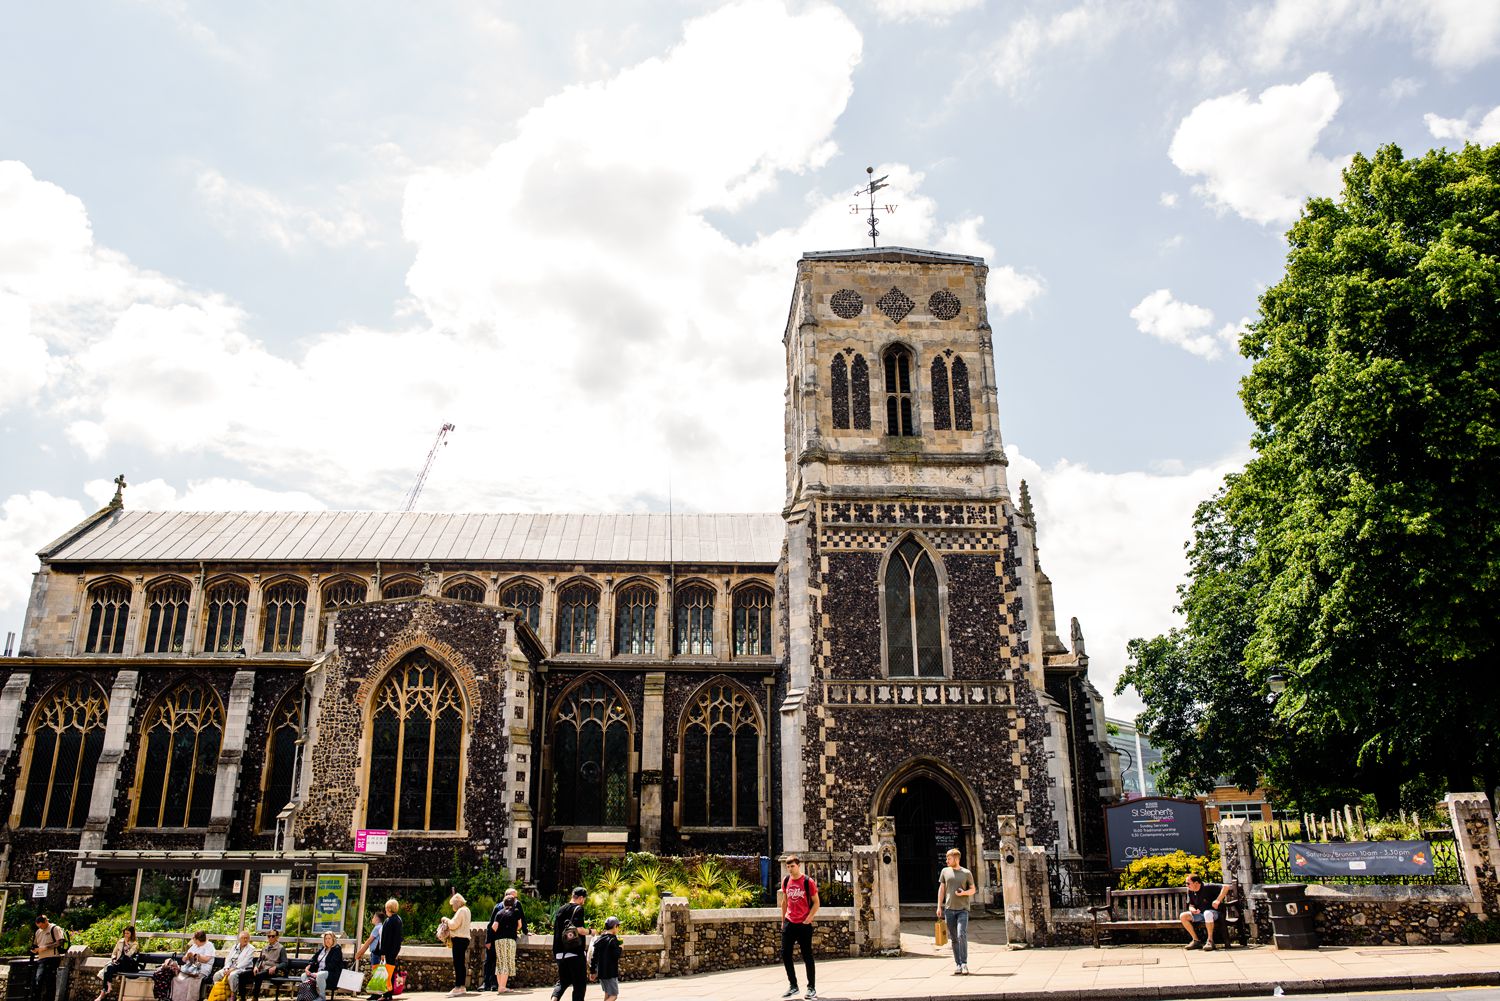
<point x="935" y="809"/>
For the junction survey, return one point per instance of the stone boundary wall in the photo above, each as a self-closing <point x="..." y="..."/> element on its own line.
<point x="1378" y="915"/>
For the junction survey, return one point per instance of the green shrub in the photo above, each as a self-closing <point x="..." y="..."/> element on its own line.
<point x="1170" y="870"/>
<point x="1478" y="932"/>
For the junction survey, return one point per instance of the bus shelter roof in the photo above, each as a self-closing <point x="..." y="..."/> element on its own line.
<point x="118" y="860"/>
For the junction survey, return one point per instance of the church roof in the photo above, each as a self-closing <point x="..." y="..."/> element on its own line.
<point x="414" y="537"/>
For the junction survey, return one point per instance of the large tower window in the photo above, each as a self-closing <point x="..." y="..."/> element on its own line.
<point x="900" y="413"/>
<point x="590" y="758"/>
<point x="416" y="744"/>
<point x="913" y="616"/>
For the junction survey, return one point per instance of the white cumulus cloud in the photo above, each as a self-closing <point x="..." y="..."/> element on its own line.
<point x="1462" y="130"/>
<point x="28" y="521"/>
<point x="1451" y="34"/>
<point x="239" y="208"/>
<point x="923" y="10"/>
<point x="1258" y="156"/>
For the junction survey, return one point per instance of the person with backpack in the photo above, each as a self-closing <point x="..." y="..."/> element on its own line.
<point x="49" y="944"/>
<point x="799" y="905"/>
<point x="570" y="945"/>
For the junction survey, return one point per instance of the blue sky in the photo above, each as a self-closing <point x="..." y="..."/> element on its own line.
<point x="253" y="256"/>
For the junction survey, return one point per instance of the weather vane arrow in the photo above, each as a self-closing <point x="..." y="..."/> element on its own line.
<point x="876" y="183"/>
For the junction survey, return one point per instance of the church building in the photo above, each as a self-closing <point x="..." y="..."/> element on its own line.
<point x="536" y="688"/>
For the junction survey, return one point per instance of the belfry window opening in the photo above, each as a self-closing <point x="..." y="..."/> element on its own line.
<point x="900" y="413"/>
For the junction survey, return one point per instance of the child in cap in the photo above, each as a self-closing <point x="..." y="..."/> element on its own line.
<point x="605" y="964"/>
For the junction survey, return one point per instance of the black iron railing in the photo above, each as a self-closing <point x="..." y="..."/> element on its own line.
<point x="1078" y="882"/>
<point x="1272" y="866"/>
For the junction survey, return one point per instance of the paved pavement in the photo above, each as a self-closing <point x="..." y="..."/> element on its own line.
<point x="1085" y="973"/>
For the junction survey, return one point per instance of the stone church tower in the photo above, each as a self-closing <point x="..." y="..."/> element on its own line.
<point x="920" y="634"/>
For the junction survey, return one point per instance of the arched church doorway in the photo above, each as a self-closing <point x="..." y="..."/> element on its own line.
<point x="929" y="821"/>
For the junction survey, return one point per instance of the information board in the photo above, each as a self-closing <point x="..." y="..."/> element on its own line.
<point x="1156" y="825"/>
<point x="328" y="903"/>
<point x="270" y="915"/>
<point x="1360" y="858"/>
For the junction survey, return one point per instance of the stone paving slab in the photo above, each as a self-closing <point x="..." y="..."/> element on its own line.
<point x="1152" y="972"/>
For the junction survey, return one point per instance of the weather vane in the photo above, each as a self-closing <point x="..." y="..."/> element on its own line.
<point x="876" y="183"/>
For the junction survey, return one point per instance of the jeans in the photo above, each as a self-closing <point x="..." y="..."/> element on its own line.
<point x="44" y="978"/>
<point x="958" y="933"/>
<point x="800" y="935"/>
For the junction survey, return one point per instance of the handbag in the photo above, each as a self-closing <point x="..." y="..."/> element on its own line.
<point x="398" y="982"/>
<point x="940" y="932"/>
<point x="444" y="930"/>
<point x="349" y="980"/>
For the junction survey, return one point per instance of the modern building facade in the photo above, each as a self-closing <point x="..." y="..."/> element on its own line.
<point x="532" y="688"/>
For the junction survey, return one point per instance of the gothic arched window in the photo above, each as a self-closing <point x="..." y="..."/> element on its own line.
<point x="465" y="590"/>
<point x="578" y="619"/>
<point x="109" y="609"/>
<point x="950" y="395"/>
<point x="590" y="758"/>
<point x="859" y="393"/>
<point x="401" y="587"/>
<point x="526" y="598"/>
<point x="179" y="758"/>
<point x="752" y="622"/>
<point x="63" y="745"/>
<point x="337" y="596"/>
<point x="913" y="617"/>
<point x="839" y="387"/>
<point x="416" y="743"/>
<point x="900" y="413"/>
<point x="695" y="622"/>
<point x="225" y="606"/>
<point x="942" y="414"/>
<point x="166" y="617"/>
<point x="963" y="413"/>
<point x="281" y="758"/>
<point x="635" y="620"/>
<point x="283" y="609"/>
<point x="721" y="741"/>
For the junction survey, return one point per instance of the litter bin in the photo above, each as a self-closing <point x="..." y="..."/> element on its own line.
<point x="18" y="986"/>
<point x="1291" y="918"/>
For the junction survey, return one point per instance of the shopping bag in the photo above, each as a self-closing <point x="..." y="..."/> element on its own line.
<point x="380" y="980"/>
<point x="398" y="982"/>
<point x="220" y="989"/>
<point x="349" y="980"/>
<point x="940" y="932"/>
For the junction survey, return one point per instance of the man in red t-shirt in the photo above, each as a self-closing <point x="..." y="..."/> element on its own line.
<point x="799" y="905"/>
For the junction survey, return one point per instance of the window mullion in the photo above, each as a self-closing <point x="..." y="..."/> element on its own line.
<point x="51" y="773"/>
<point x="431" y="748"/>
<point x="83" y="740"/>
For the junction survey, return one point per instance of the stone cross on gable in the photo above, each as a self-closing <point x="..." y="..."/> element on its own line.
<point x="119" y="498"/>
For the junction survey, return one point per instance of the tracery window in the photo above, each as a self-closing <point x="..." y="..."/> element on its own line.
<point x="465" y="590"/>
<point x="635" y="620"/>
<point x="578" y="619"/>
<point x="225" y="605"/>
<point x="416" y="742"/>
<point x="721" y="742"/>
<point x="65" y="738"/>
<point x="283" y="608"/>
<point x="900" y="416"/>
<point x="337" y="596"/>
<point x="401" y="587"/>
<point x="179" y="757"/>
<point x="851" y="391"/>
<point x="109" y="610"/>
<point x="166" y="617"/>
<point x="695" y="622"/>
<point x="950" y="395"/>
<point x="281" y="758"/>
<point x="525" y="598"/>
<point x="913" y="618"/>
<point x="590" y="757"/>
<point x="752" y="622"/>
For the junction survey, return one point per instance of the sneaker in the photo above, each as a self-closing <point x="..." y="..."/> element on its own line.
<point x="958" y="971"/>
<point x="1208" y="947"/>
<point x="1196" y="943"/>
<point x="791" y="992"/>
<point x="964" y="969"/>
<point x="811" y="995"/>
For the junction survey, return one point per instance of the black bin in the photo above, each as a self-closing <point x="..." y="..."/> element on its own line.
<point x="18" y="987"/>
<point x="1291" y="916"/>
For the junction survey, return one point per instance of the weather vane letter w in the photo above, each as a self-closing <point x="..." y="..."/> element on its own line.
<point x="876" y="183"/>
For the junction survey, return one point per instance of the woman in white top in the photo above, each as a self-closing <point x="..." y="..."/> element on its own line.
<point x="458" y="937"/>
<point x="199" y="958"/>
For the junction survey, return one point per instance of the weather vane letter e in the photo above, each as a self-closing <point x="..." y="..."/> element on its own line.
<point x="876" y="183"/>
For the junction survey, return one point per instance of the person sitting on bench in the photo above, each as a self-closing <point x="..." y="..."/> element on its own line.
<point x="1205" y="900"/>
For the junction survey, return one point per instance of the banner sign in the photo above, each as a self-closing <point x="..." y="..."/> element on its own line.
<point x="1155" y="825"/>
<point x="275" y="888"/>
<point x="328" y="903"/>
<point x="1360" y="858"/>
<point x="373" y="842"/>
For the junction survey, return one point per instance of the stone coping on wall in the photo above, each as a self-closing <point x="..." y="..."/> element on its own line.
<point x="1382" y="893"/>
<point x="719" y="915"/>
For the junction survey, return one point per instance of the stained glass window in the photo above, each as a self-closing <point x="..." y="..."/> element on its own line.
<point x="752" y="622"/>
<point x="401" y="587"/>
<point x="578" y="619"/>
<point x="416" y="740"/>
<point x="109" y="610"/>
<point x="695" y="622"/>
<point x="66" y="736"/>
<point x="913" y="626"/>
<point x="721" y="744"/>
<point x="283" y="610"/>
<point x="225" y="606"/>
<point x="166" y="617"/>
<point x="281" y="758"/>
<point x="900" y="418"/>
<point x="337" y="596"/>
<point x="179" y="758"/>
<point x="526" y="598"/>
<point x="465" y="590"/>
<point x="590" y="758"/>
<point x="635" y="620"/>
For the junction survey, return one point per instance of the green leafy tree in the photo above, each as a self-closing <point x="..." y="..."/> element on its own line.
<point x="1370" y="513"/>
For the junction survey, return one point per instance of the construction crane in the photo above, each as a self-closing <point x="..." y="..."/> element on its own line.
<point x="416" y="488"/>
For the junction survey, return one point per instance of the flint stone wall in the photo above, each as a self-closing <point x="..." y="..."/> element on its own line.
<point x="1380" y="915"/>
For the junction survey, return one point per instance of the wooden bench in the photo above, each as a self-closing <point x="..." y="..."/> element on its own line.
<point x="1144" y="910"/>
<point x="150" y="963"/>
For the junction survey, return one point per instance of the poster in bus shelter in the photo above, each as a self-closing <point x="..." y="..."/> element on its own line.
<point x="270" y="915"/>
<point x="1155" y="825"/>
<point x="328" y="903"/>
<point x="1360" y="858"/>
